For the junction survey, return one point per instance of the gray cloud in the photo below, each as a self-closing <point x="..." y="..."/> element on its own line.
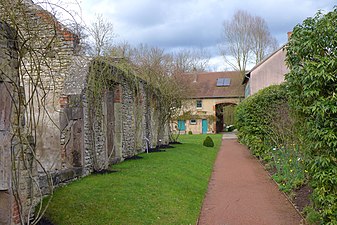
<point x="172" y="24"/>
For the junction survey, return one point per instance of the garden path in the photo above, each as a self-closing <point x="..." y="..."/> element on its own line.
<point x="240" y="192"/>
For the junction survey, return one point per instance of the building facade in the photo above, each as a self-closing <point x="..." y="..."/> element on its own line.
<point x="210" y="109"/>
<point x="268" y="72"/>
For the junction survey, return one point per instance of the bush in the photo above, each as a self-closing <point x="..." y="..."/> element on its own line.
<point x="208" y="142"/>
<point x="190" y="132"/>
<point x="311" y="57"/>
<point x="256" y="119"/>
<point x="267" y="128"/>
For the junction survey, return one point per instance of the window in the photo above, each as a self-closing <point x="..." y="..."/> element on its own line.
<point x="193" y="122"/>
<point x="223" y="82"/>
<point x="199" y="103"/>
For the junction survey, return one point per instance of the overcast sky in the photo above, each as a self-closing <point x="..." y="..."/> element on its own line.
<point x="174" y="24"/>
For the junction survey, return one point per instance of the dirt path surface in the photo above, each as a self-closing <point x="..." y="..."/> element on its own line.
<point x="240" y="192"/>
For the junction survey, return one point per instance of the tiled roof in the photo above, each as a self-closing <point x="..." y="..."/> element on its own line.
<point x="205" y="84"/>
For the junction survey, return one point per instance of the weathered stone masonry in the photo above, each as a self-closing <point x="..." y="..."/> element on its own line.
<point x="126" y="126"/>
<point x="18" y="166"/>
<point x="71" y="142"/>
<point x="18" y="173"/>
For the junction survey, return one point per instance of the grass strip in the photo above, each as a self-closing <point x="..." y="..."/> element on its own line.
<point x="160" y="188"/>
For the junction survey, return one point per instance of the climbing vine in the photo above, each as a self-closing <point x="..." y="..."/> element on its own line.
<point x="164" y="91"/>
<point x="108" y="74"/>
<point x="31" y="75"/>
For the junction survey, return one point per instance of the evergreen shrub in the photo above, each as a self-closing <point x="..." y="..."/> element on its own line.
<point x="208" y="142"/>
<point x="312" y="87"/>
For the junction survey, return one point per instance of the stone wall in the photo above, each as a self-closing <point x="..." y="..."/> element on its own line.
<point x="46" y="49"/>
<point x="18" y="171"/>
<point x="70" y="140"/>
<point x="54" y="70"/>
<point x="133" y="118"/>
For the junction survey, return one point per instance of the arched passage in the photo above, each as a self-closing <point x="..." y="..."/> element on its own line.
<point x="224" y="113"/>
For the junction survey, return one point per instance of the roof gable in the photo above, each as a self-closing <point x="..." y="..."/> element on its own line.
<point x="247" y="75"/>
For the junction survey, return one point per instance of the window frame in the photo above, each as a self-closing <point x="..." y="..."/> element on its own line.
<point x="197" y="105"/>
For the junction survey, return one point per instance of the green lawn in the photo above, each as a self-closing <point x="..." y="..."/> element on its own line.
<point x="161" y="188"/>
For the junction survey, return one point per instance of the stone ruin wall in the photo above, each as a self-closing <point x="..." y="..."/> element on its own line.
<point x="18" y="173"/>
<point x="64" y="141"/>
<point x="39" y="28"/>
<point x="135" y="127"/>
<point x="53" y="73"/>
<point x="51" y="46"/>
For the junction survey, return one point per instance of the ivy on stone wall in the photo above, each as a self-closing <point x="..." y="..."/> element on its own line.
<point x="35" y="58"/>
<point x="312" y="88"/>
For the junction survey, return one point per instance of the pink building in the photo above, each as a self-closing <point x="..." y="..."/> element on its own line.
<point x="269" y="71"/>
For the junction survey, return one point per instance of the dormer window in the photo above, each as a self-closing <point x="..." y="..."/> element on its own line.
<point x="223" y="82"/>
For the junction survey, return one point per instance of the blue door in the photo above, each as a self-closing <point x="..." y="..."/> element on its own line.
<point x="204" y="126"/>
<point x="181" y="125"/>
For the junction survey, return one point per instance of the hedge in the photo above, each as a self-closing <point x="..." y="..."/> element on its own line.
<point x="312" y="87"/>
<point x="267" y="128"/>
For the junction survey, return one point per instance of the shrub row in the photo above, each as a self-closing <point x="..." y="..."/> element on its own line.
<point x="266" y="127"/>
<point x="301" y="145"/>
<point x="312" y="88"/>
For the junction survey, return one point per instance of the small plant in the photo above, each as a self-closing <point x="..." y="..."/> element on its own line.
<point x="291" y="170"/>
<point x="208" y="142"/>
<point x="190" y="132"/>
<point x="312" y="216"/>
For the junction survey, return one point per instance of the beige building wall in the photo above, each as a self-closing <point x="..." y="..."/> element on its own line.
<point x="207" y="111"/>
<point x="270" y="72"/>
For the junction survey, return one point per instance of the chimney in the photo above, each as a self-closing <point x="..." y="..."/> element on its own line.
<point x="289" y="34"/>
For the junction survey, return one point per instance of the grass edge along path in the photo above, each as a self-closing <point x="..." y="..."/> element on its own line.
<point x="160" y="188"/>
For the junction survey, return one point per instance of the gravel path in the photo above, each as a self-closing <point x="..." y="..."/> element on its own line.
<point x="240" y="192"/>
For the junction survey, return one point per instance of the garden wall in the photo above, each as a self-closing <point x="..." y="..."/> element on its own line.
<point x="123" y="124"/>
<point x="18" y="171"/>
<point x="64" y="139"/>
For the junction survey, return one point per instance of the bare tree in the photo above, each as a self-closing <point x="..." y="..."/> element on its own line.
<point x="102" y="34"/>
<point x="245" y="37"/>
<point x="263" y="43"/>
<point x="190" y="60"/>
<point x="158" y="68"/>
<point x="236" y="40"/>
<point x="121" y="50"/>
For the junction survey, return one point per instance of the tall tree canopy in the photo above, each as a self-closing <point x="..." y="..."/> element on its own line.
<point x="245" y="38"/>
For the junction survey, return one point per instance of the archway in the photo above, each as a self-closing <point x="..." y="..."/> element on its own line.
<point x="224" y="113"/>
